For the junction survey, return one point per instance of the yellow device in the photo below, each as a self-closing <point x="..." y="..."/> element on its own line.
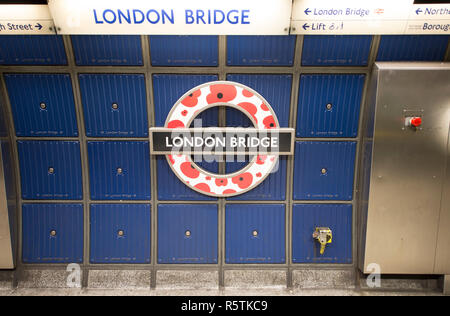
<point x="324" y="236"/>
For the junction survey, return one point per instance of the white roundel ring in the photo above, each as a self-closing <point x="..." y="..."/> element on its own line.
<point x="222" y="93"/>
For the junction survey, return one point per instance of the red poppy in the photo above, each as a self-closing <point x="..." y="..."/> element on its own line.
<point x="203" y="187"/>
<point x="228" y="191"/>
<point x="221" y="93"/>
<point x="189" y="170"/>
<point x="264" y="107"/>
<point x="221" y="182"/>
<point x="184" y="113"/>
<point x="171" y="159"/>
<point x="243" y="180"/>
<point x="269" y="122"/>
<point x="250" y="108"/>
<point x="175" y="124"/>
<point x="260" y="160"/>
<point x="192" y="99"/>
<point x="247" y="93"/>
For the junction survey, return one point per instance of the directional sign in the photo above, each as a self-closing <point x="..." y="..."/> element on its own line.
<point x="369" y="17"/>
<point x="429" y="19"/>
<point x="181" y="17"/>
<point x="25" y="19"/>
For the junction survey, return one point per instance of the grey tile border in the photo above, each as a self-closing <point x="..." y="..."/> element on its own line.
<point x="324" y="279"/>
<point x="255" y="279"/>
<point x="119" y="279"/>
<point x="187" y="279"/>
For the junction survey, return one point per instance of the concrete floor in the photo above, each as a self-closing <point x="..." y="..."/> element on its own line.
<point x="195" y="292"/>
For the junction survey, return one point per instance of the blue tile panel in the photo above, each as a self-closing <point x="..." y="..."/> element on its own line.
<point x="167" y="89"/>
<point x="187" y="233"/>
<point x="107" y="50"/>
<point x="169" y="50"/>
<point x="32" y="50"/>
<point x="343" y="94"/>
<point x="42" y="105"/>
<point x="40" y="245"/>
<point x="260" y="50"/>
<point x="114" y="105"/>
<point x="171" y="188"/>
<point x="272" y="188"/>
<point x="412" y="47"/>
<point x="306" y="217"/>
<point x="324" y="170"/>
<point x="119" y="170"/>
<point x="275" y="89"/>
<point x="50" y="170"/>
<point x="336" y="50"/>
<point x="120" y="233"/>
<point x="255" y="233"/>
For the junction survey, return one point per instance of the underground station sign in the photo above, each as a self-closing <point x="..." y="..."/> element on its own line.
<point x="183" y="145"/>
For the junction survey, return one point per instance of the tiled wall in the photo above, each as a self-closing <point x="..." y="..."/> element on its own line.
<point x="90" y="192"/>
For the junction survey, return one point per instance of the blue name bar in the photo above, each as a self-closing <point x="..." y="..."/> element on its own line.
<point x="152" y="16"/>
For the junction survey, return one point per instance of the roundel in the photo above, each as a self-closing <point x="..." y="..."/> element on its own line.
<point x="242" y="98"/>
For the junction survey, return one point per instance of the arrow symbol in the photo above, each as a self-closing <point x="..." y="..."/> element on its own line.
<point x="307" y="11"/>
<point x="38" y="26"/>
<point x="305" y="26"/>
<point x="418" y="11"/>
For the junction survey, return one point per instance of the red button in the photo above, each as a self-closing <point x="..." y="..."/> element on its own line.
<point x="416" y="121"/>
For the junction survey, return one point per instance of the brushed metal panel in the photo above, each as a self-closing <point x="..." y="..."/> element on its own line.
<point x="442" y="264"/>
<point x="408" y="167"/>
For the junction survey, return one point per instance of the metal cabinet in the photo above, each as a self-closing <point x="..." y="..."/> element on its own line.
<point x="405" y="209"/>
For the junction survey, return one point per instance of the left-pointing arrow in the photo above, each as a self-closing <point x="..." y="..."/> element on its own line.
<point x="305" y="26"/>
<point x="307" y="11"/>
<point x="38" y="26"/>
